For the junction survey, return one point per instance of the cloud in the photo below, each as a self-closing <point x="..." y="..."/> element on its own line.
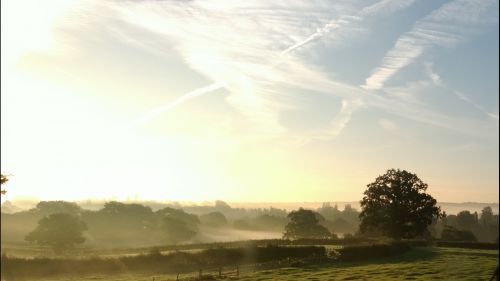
<point x="237" y="46"/>
<point x="178" y="101"/>
<point x="239" y="54"/>
<point x="493" y="115"/>
<point x="446" y="26"/>
<point x="381" y="7"/>
<point x="436" y="79"/>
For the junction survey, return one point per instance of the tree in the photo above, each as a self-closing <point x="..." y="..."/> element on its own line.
<point x="305" y="224"/>
<point x="466" y="220"/>
<point x="450" y="233"/>
<point x="176" y="230"/>
<point x="487" y="216"/>
<point x="177" y="225"/>
<point x="60" y="231"/>
<point x="214" y="219"/>
<point x="3" y="180"/>
<point x="396" y="205"/>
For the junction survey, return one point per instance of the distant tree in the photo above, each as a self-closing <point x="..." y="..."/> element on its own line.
<point x="396" y="205"/>
<point x="176" y="230"/>
<point x="60" y="231"/>
<point x="305" y="224"/>
<point x="214" y="219"/>
<point x="46" y="208"/>
<point x="176" y="225"/>
<point x="221" y="205"/>
<point x="487" y="216"/>
<point x="450" y="233"/>
<point x="466" y="220"/>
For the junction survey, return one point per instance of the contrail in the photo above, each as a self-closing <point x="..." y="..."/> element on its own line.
<point x="387" y="5"/>
<point x="178" y="101"/>
<point x="325" y="29"/>
<point x="334" y="24"/>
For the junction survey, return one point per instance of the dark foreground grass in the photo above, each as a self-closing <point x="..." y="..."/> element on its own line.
<point x="420" y="263"/>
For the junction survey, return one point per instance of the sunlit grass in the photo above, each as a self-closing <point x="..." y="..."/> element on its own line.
<point x="418" y="264"/>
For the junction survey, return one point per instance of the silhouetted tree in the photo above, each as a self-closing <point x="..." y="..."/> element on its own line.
<point x="46" y="208"/>
<point x="177" y="225"/>
<point x="60" y="231"/>
<point x="396" y="205"/>
<point x="3" y="180"/>
<point x="487" y="216"/>
<point x="305" y="224"/>
<point x="450" y="233"/>
<point x="466" y="220"/>
<point x="214" y="219"/>
<point x="176" y="230"/>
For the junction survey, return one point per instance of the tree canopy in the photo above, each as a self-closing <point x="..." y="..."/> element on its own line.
<point x="396" y="205"/>
<point x="305" y="224"/>
<point x="3" y="180"/>
<point x="60" y="231"/>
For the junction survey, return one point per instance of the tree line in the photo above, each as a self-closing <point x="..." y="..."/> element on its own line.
<point x="395" y="205"/>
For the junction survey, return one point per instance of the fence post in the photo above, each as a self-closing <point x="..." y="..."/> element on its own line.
<point x="177" y="277"/>
<point x="220" y="272"/>
<point x="237" y="270"/>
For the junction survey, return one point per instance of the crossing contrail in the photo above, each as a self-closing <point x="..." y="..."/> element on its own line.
<point x="178" y="101"/>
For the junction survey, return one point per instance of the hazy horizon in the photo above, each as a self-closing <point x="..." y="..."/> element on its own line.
<point x="93" y="204"/>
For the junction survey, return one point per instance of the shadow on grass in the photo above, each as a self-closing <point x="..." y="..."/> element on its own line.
<point x="453" y="251"/>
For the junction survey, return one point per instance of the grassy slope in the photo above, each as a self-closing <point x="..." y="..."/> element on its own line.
<point x="418" y="264"/>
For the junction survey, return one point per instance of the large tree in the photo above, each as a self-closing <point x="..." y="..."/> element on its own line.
<point x="305" y="224"/>
<point x="60" y="231"/>
<point x="396" y="205"/>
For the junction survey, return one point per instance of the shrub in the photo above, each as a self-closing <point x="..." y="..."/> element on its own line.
<point x="364" y="252"/>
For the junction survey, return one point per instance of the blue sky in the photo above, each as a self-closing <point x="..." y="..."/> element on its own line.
<point x="249" y="101"/>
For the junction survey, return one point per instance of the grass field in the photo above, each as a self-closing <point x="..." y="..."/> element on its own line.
<point x="418" y="264"/>
<point x="421" y="263"/>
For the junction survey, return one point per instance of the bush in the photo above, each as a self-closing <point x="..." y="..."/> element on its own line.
<point x="450" y="233"/>
<point x="364" y="252"/>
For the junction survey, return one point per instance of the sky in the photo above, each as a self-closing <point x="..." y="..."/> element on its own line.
<point x="248" y="101"/>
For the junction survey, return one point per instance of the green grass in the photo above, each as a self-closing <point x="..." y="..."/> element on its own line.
<point x="418" y="264"/>
<point x="421" y="263"/>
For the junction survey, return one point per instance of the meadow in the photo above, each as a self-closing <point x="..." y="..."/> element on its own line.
<point x="419" y="263"/>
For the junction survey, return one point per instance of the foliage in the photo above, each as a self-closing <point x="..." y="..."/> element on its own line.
<point x="466" y="220"/>
<point x="176" y="230"/>
<point x="452" y="234"/>
<point x="305" y="224"/>
<point x="371" y="251"/>
<point x="177" y="225"/>
<point x="60" y="231"/>
<point x="3" y="180"/>
<point x="214" y="219"/>
<point x="46" y="208"/>
<point x="396" y="205"/>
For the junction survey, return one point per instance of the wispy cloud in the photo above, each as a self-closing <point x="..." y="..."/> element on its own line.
<point x="178" y="101"/>
<point x="381" y="7"/>
<point x="446" y="26"/>
<point x="239" y="54"/>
